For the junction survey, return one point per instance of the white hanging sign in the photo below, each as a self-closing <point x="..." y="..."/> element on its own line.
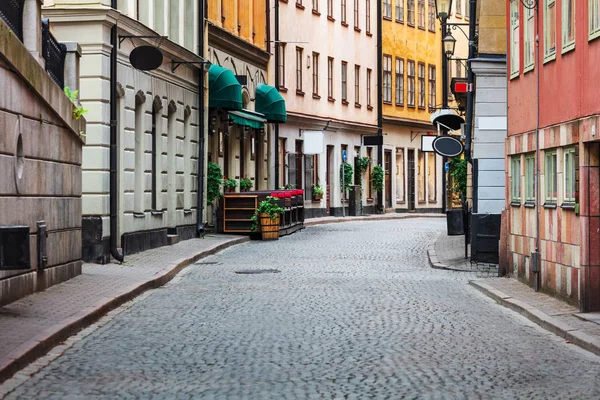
<point x="314" y="142"/>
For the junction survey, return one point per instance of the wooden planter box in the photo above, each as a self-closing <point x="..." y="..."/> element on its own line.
<point x="269" y="228"/>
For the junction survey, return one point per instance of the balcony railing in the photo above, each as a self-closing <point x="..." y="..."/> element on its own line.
<point x="54" y="53"/>
<point x="11" y="11"/>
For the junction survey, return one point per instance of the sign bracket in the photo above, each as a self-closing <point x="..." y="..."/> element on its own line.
<point x="123" y="37"/>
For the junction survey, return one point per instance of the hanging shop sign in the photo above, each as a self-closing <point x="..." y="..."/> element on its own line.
<point x="146" y="58"/>
<point x="448" y="146"/>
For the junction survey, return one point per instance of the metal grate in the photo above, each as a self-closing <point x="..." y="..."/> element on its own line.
<point x="54" y="53"/>
<point x="11" y="11"/>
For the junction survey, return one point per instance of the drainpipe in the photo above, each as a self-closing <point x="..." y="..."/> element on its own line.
<point x="276" y="147"/>
<point x="538" y="278"/>
<point x="470" y="81"/>
<point x="379" y="101"/>
<point x="201" y="105"/>
<point x="114" y="251"/>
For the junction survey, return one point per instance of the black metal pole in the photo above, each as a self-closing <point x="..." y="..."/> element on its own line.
<point x="276" y="139"/>
<point x="113" y="190"/>
<point x="201" y="106"/>
<point x="379" y="100"/>
<point x="470" y="81"/>
<point x="444" y="106"/>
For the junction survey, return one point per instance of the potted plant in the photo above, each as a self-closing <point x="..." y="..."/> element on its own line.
<point x="377" y="176"/>
<point x="266" y="219"/>
<point x="455" y="218"/>
<point x="229" y="184"/>
<point x="317" y="192"/>
<point x="245" y="184"/>
<point x="214" y="179"/>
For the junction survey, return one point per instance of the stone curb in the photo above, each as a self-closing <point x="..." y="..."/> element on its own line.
<point x="43" y="342"/>
<point x="435" y="263"/>
<point x="584" y="340"/>
<point x="358" y="219"/>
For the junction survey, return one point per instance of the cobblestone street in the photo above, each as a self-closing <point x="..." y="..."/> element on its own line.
<point x="354" y="311"/>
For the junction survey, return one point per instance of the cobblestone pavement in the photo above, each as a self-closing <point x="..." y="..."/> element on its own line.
<point x="355" y="312"/>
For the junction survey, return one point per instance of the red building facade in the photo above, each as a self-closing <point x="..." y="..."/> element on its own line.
<point x="553" y="147"/>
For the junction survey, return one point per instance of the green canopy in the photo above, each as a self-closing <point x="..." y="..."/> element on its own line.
<point x="248" y="118"/>
<point x="224" y="89"/>
<point x="270" y="103"/>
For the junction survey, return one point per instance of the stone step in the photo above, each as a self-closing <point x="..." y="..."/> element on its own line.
<point x="172" y="239"/>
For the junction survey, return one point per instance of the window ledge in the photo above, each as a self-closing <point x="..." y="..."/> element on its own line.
<point x="357" y="105"/>
<point x="282" y="89"/>
<point x="431" y="30"/>
<point x="357" y="29"/>
<point x="387" y="102"/>
<point x="422" y="201"/>
<point x="284" y="1"/>
<point x="514" y="75"/>
<point x="300" y="6"/>
<point x="330" y="18"/>
<point x="422" y="28"/>
<point x="568" y="206"/>
<point x="344" y="23"/>
<point x="593" y="36"/>
<point x="157" y="213"/>
<point x="399" y="21"/>
<point x="316" y="96"/>
<point x="411" y="106"/>
<point x="370" y="108"/>
<point x="528" y="68"/>
<point x="300" y="93"/>
<point x="529" y="204"/>
<point x="187" y="212"/>
<point x="139" y="215"/>
<point x="568" y="47"/>
<point x="421" y="107"/>
<point x="316" y="12"/>
<point x="515" y="203"/>
<point x="551" y="205"/>
<point x="550" y="58"/>
<point x="369" y="34"/>
<point x="399" y="104"/>
<point x="411" y="25"/>
<point x="387" y="18"/>
<point x="331" y="99"/>
<point x="345" y="102"/>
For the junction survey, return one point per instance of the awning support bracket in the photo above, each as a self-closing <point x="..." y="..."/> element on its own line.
<point x="123" y="37"/>
<point x="176" y="64"/>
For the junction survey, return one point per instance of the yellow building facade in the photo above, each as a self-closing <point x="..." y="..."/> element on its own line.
<point x="411" y="90"/>
<point x="246" y="19"/>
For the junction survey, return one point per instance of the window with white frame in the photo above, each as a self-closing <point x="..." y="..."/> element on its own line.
<point x="400" y="11"/>
<point x="431" y="15"/>
<point x="315" y="5"/>
<point x="515" y="178"/>
<point x="343" y="16"/>
<point x="410" y="80"/>
<point x="432" y="87"/>
<point x="369" y="104"/>
<point x="528" y="39"/>
<point x="399" y="81"/>
<point x="550" y="175"/>
<point x="330" y="8"/>
<point x="594" y="18"/>
<point x="514" y="38"/>
<point x="387" y="9"/>
<point x="315" y="76"/>
<point x="387" y="79"/>
<point x="458" y="7"/>
<point x="530" y="178"/>
<point x="368" y="16"/>
<point x="356" y="15"/>
<point x="421" y="78"/>
<point x="299" y="51"/>
<point x="568" y="25"/>
<point x="570" y="174"/>
<point x="421" y="10"/>
<point x="330" y="78"/>
<point x="410" y="12"/>
<point x="468" y="10"/>
<point x="549" y="29"/>
<point x="357" y="85"/>
<point x="344" y="82"/>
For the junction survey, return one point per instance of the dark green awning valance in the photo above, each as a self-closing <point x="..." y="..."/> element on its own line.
<point x="248" y="118"/>
<point x="224" y="89"/>
<point x="270" y="103"/>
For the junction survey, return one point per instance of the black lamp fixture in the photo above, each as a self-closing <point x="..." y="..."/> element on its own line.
<point x="443" y="8"/>
<point x="449" y="43"/>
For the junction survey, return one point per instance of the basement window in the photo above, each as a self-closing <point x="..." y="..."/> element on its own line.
<point x="14" y="248"/>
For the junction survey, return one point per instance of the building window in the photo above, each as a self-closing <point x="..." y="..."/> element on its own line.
<point x="594" y="19"/>
<point x="549" y="29"/>
<point x="570" y="171"/>
<point x="421" y="14"/>
<point x="399" y="82"/>
<point x="431" y="15"/>
<point x="330" y="9"/>
<point x="330" y="78"/>
<point x="387" y="79"/>
<point x="315" y="4"/>
<point x="468" y="10"/>
<point x="387" y="9"/>
<point x="514" y="38"/>
<point x="458" y="9"/>
<point x="421" y="176"/>
<point x="343" y="16"/>
<point x="315" y="68"/>
<point x="410" y="10"/>
<point x="299" y="3"/>
<point x="410" y="78"/>
<point x="369" y="104"/>
<point x="530" y="178"/>
<point x="568" y="25"/>
<point x="528" y="40"/>
<point x="422" y="85"/>
<point x="400" y="11"/>
<point x="550" y="176"/>
<point x="299" y="52"/>
<point x="400" y="184"/>
<point x="515" y="175"/>
<point x="431" y="177"/>
<point x="432" y="88"/>
<point x="281" y="66"/>
<point x="459" y="72"/>
<point x="311" y="174"/>
<point x="356" y="24"/>
<point x="368" y="15"/>
<point x="357" y="85"/>
<point x="344" y="82"/>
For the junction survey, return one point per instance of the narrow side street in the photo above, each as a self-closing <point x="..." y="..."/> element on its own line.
<point x="353" y="311"/>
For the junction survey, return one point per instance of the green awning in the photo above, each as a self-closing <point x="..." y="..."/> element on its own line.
<point x="248" y="118"/>
<point x="224" y="89"/>
<point x="270" y="103"/>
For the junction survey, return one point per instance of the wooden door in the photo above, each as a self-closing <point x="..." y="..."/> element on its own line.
<point x="299" y="157"/>
<point x="410" y="196"/>
<point x="388" y="178"/>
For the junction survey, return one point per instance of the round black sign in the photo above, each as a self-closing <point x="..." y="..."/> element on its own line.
<point x="146" y="58"/>
<point x="448" y="146"/>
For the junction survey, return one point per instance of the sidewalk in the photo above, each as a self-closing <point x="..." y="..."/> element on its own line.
<point x="33" y="325"/>
<point x="448" y="252"/>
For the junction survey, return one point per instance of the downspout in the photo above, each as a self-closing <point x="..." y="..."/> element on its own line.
<point x="444" y="106"/>
<point x="470" y="81"/>
<point x="113" y="194"/>
<point x="276" y="147"/>
<point x="379" y="100"/>
<point x="538" y="279"/>
<point x="200" y="193"/>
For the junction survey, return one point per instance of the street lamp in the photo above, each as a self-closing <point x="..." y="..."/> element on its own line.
<point x="449" y="44"/>
<point x="443" y="8"/>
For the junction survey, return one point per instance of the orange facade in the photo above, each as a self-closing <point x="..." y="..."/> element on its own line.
<point x="246" y="19"/>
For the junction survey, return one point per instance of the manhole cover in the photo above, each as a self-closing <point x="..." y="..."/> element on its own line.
<point x="258" y="271"/>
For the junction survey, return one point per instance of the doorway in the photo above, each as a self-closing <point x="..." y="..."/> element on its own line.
<point x="329" y="178"/>
<point x="299" y="157"/>
<point x="388" y="178"/>
<point x="411" y="180"/>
